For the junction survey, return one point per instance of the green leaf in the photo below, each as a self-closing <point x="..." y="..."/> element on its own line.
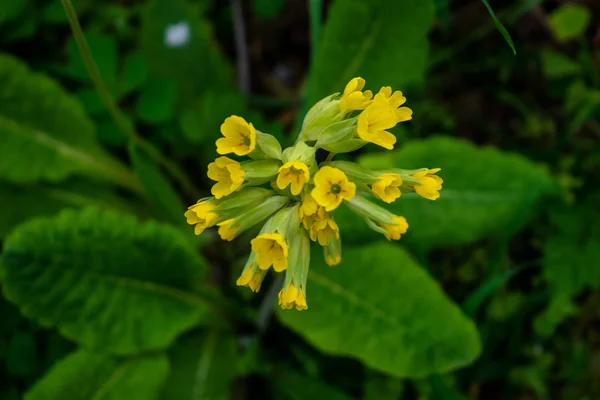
<point x="84" y="375"/>
<point x="383" y="41"/>
<point x="557" y="65"/>
<point x="104" y="279"/>
<point x="572" y="253"/>
<point x="296" y="386"/>
<point x="44" y="132"/>
<point x="486" y="192"/>
<point x="202" y="368"/>
<point x="500" y="27"/>
<point x="559" y="309"/>
<point x="382" y="308"/>
<point x="158" y="187"/>
<point x="179" y="45"/>
<point x="570" y="21"/>
<point x="104" y="49"/>
<point x="135" y="72"/>
<point x="157" y="101"/>
<point x="10" y="9"/>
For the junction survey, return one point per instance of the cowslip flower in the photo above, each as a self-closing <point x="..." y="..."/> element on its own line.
<point x="387" y="187"/>
<point x="239" y="137"/>
<point x="228" y="174"/>
<point x="353" y="97"/>
<point x="201" y="216"/>
<point x="295" y="174"/>
<point x="429" y="184"/>
<point x="270" y="249"/>
<point x="331" y="187"/>
<point x="303" y="192"/>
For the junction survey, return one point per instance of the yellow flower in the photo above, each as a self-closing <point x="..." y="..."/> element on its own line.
<point x="226" y="232"/>
<point x="290" y="296"/>
<point x="228" y="174"/>
<point x="331" y="186"/>
<point x="353" y="98"/>
<point x="240" y="137"/>
<point x="324" y="230"/>
<point x="294" y="173"/>
<point x="373" y="123"/>
<point x="387" y="187"/>
<point x="271" y="249"/>
<point x="394" y="231"/>
<point x="393" y="100"/>
<point x="310" y="211"/>
<point x="251" y="277"/>
<point x="201" y="216"/>
<point x="430" y="184"/>
<point x="333" y="259"/>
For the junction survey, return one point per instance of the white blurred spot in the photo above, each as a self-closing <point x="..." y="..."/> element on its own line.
<point x="177" y="35"/>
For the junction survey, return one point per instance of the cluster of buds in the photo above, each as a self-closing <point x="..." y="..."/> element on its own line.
<point x="293" y="196"/>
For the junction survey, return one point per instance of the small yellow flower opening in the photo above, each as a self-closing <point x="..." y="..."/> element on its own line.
<point x="394" y="231"/>
<point x="271" y="249"/>
<point x="430" y="184"/>
<point x="239" y="137"/>
<point x="324" y="230"/>
<point x="331" y="187"/>
<point x="387" y="187"/>
<point x="373" y="123"/>
<point x="393" y="100"/>
<point x="201" y="216"/>
<point x="333" y="259"/>
<point x="310" y="211"/>
<point x="226" y="232"/>
<point x="228" y="174"/>
<point x="294" y="173"/>
<point x="251" y="277"/>
<point x="290" y="296"/>
<point x="353" y="98"/>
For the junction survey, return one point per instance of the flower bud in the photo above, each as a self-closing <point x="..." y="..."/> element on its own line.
<point x="378" y="218"/>
<point x="300" y="152"/>
<point x="333" y="252"/>
<point x="337" y="132"/>
<point x="320" y="116"/>
<point x="267" y="147"/>
<point x="294" y="285"/>
<point x="251" y="276"/>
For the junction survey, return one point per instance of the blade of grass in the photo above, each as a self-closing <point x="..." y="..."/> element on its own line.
<point x="500" y="27"/>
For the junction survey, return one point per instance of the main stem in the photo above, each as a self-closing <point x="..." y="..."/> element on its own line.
<point x="116" y="114"/>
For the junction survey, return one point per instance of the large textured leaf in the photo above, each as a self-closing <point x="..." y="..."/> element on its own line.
<point x="202" y="368"/>
<point x="384" y="41"/>
<point x="485" y="192"/>
<point x="44" y="133"/>
<point x="179" y="44"/>
<point x="157" y="186"/>
<point x="103" y="279"/>
<point x="381" y="307"/>
<point x="572" y="255"/>
<point x="84" y="375"/>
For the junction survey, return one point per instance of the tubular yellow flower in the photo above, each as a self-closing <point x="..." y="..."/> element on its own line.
<point x="373" y="123"/>
<point x="290" y="296"/>
<point x="239" y="137"/>
<point x="430" y="184"/>
<point x="310" y="211"/>
<point x="324" y="230"/>
<point x="226" y="232"/>
<point x="394" y="231"/>
<point x="333" y="259"/>
<point x="271" y="249"/>
<point x="387" y="187"/>
<point x="251" y="277"/>
<point x="201" y="216"/>
<point x="331" y="187"/>
<point x="353" y="98"/>
<point x="294" y="173"/>
<point x="393" y="100"/>
<point x="228" y="174"/>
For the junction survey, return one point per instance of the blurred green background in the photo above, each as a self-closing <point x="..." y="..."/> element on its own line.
<point x="492" y="293"/>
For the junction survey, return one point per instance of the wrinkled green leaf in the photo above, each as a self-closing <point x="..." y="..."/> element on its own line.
<point x="158" y="187"/>
<point x="572" y="255"/>
<point x="383" y="41"/>
<point x="486" y="192"/>
<point x="84" y="375"/>
<point x="44" y="133"/>
<point x="570" y="21"/>
<point x="179" y="44"/>
<point x="202" y="368"/>
<point x="301" y="387"/>
<point x="500" y="27"/>
<point x="104" y="279"/>
<point x="379" y="306"/>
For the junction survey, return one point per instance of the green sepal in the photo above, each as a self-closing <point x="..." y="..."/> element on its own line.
<point x="301" y="152"/>
<point x="346" y="146"/>
<point x="367" y="209"/>
<point x="260" y="171"/>
<point x="242" y="198"/>
<point x="255" y="213"/>
<point x="355" y="172"/>
<point x="267" y="147"/>
<point x="337" y="132"/>
<point x="324" y="113"/>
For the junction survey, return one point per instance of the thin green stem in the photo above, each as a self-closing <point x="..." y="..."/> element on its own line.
<point x="116" y="114"/>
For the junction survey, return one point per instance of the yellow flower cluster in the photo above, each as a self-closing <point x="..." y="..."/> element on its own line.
<point x="293" y="196"/>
